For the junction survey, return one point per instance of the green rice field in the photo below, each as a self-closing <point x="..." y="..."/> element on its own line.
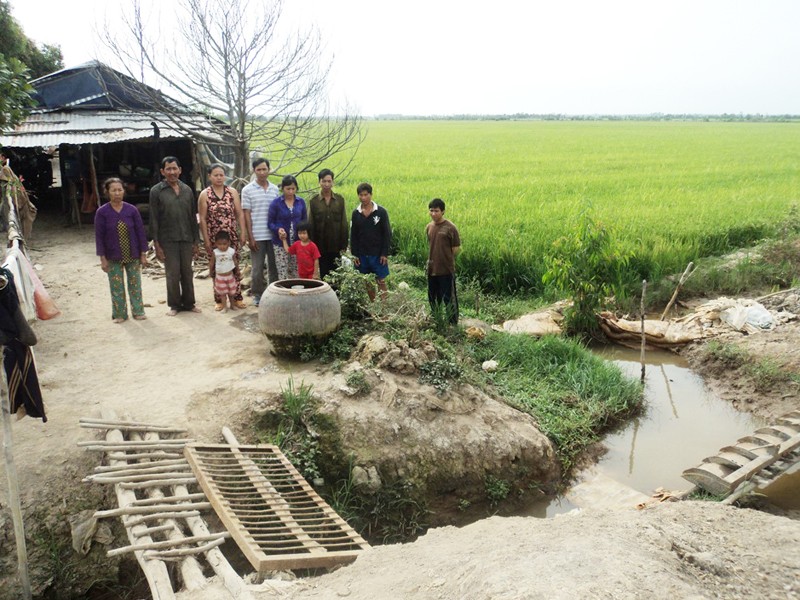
<point x="671" y="191"/>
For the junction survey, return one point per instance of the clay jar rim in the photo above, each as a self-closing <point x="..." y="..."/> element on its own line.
<point x="283" y="287"/>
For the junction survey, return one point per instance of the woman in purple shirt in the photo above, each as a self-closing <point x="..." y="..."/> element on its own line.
<point x="285" y="213"/>
<point x="121" y="246"/>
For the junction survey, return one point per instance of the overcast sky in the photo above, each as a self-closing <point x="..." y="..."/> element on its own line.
<point x="442" y="57"/>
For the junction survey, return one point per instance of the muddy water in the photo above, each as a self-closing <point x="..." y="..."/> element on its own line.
<point x="681" y="424"/>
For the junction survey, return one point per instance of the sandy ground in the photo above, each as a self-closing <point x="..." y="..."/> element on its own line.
<point x="202" y="370"/>
<point x="151" y="370"/>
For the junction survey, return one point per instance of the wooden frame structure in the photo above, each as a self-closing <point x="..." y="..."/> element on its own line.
<point x="273" y="514"/>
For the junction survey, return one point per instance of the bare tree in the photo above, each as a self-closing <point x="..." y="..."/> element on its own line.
<point x="235" y="61"/>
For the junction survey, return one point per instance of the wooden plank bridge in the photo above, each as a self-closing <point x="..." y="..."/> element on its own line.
<point x="754" y="460"/>
<point x="273" y="514"/>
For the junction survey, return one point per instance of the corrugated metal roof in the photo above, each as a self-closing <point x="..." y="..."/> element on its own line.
<point x="99" y="127"/>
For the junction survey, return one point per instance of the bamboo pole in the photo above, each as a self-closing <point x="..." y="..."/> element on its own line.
<point x="168" y="544"/>
<point x="169" y="514"/>
<point x="155" y="571"/>
<point x="154" y="529"/>
<point x="122" y="423"/>
<point x="152" y="508"/>
<point x="122" y="456"/>
<point x="191" y="571"/>
<point x="644" y="337"/>
<point x="122" y="427"/>
<point x="134" y="444"/>
<point x="13" y="488"/>
<point x="145" y="477"/>
<point x="182" y="552"/>
<point x="686" y="274"/>
<point x="161" y="483"/>
<point x="140" y="467"/>
<point x="176" y="498"/>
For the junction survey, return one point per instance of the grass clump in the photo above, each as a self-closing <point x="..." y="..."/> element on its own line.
<point x="300" y="431"/>
<point x="574" y="395"/>
<point x="389" y="515"/>
<point x="297" y="401"/>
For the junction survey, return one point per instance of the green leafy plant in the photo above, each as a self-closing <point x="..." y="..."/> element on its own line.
<point x="340" y="344"/>
<point x="304" y="454"/>
<point x="15" y="92"/>
<point x="497" y="490"/>
<point x="586" y="264"/>
<point x="439" y="373"/>
<point x="351" y="288"/>
<point x="358" y="382"/>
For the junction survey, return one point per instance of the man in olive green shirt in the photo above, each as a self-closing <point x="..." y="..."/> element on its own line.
<point x="327" y="220"/>
<point x="173" y="227"/>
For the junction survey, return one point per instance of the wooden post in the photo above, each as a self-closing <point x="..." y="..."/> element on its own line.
<point x="13" y="489"/>
<point x="644" y="338"/>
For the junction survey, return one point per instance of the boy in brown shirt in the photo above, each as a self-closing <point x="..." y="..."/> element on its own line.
<point x="444" y="244"/>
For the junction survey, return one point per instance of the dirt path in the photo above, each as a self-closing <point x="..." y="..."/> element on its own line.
<point x="203" y="371"/>
<point x="152" y="370"/>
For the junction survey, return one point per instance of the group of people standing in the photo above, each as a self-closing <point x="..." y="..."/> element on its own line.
<point x="287" y="237"/>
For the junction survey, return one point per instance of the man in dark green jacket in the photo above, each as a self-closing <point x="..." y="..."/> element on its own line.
<point x="327" y="220"/>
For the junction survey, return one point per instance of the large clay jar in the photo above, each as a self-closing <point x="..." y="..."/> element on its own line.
<point x="294" y="312"/>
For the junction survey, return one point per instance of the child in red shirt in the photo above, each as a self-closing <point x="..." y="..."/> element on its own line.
<point x="306" y="251"/>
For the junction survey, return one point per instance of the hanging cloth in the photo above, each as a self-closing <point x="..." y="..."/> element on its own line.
<point x="16" y="335"/>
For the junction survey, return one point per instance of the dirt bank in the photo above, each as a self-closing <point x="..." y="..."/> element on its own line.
<point x="749" y="378"/>
<point x="206" y="370"/>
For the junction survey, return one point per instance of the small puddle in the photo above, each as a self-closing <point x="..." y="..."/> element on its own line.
<point x="247" y="321"/>
<point x="681" y="424"/>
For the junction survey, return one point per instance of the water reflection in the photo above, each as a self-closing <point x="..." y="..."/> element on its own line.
<point x="682" y="423"/>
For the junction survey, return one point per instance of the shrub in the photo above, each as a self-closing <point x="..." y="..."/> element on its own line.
<point x="351" y="288"/>
<point x="588" y="265"/>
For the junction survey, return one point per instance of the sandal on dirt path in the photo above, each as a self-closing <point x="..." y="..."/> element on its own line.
<point x="219" y="307"/>
<point x="172" y="312"/>
<point x="195" y="309"/>
<point x="140" y="317"/>
<point x="118" y="320"/>
<point x="239" y="304"/>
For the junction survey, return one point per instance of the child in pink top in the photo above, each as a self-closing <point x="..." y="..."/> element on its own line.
<point x="306" y="251"/>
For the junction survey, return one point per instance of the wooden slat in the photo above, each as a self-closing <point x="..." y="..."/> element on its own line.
<point x="274" y="515"/>
<point x="762" y="452"/>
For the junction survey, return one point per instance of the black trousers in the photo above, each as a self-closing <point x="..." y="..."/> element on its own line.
<point x="327" y="263"/>
<point x="442" y="292"/>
